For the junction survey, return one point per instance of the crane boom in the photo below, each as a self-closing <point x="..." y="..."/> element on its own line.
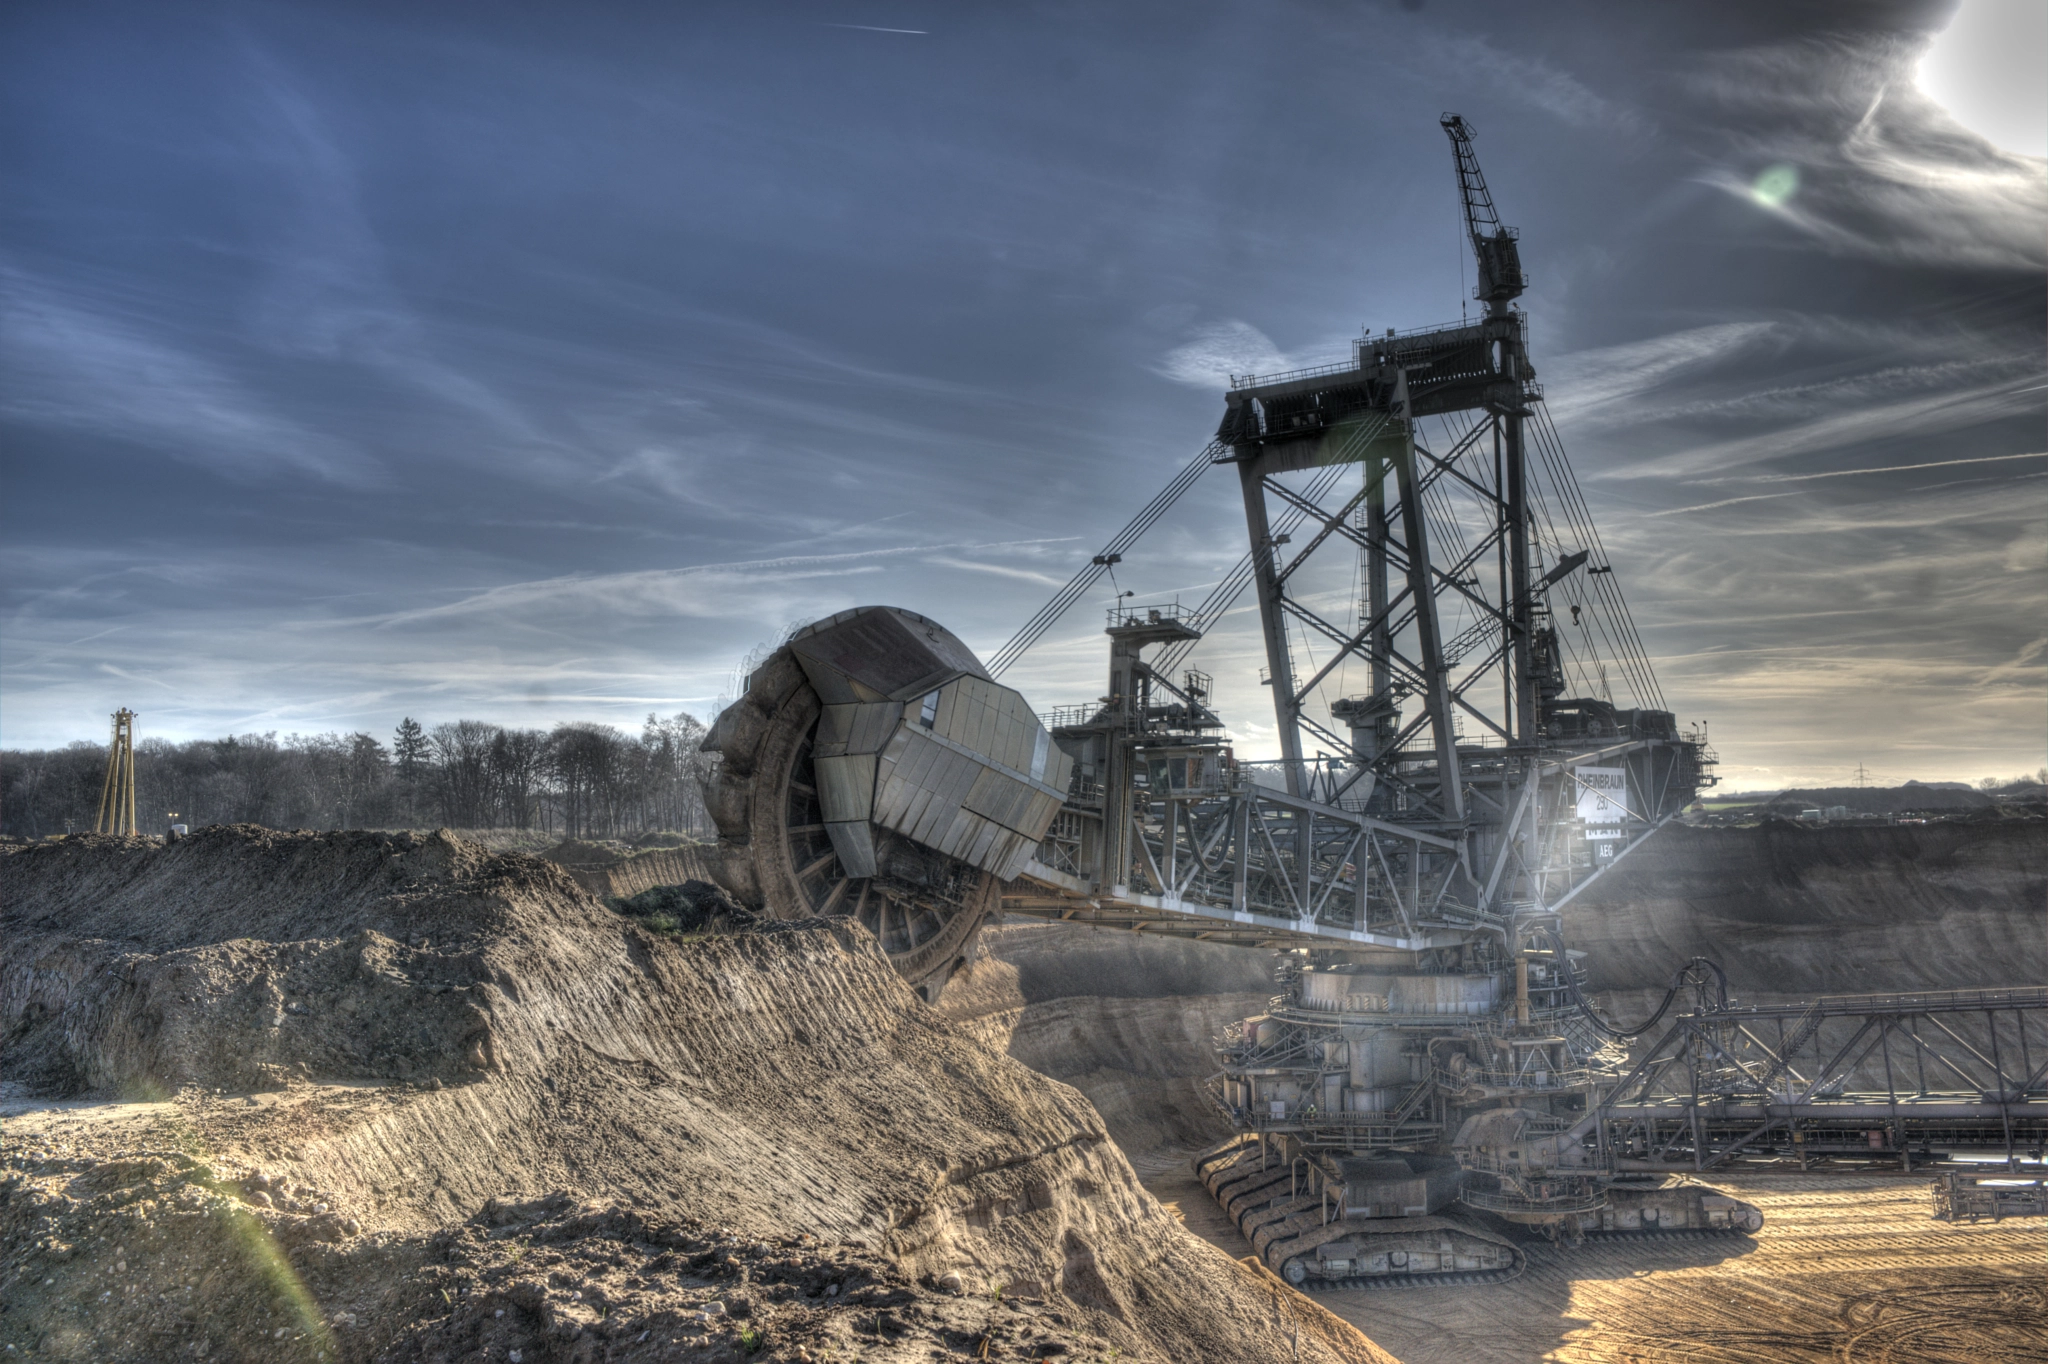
<point x="1495" y="249"/>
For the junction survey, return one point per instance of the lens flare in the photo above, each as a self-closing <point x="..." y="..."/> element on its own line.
<point x="1775" y="186"/>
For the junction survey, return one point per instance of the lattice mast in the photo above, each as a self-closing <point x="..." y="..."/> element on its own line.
<point x="117" y="791"/>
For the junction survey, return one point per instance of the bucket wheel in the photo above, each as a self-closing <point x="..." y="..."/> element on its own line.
<point x="922" y="907"/>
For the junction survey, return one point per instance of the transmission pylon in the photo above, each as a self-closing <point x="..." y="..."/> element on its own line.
<point x="117" y="792"/>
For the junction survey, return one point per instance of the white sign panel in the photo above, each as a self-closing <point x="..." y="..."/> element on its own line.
<point x="1603" y="800"/>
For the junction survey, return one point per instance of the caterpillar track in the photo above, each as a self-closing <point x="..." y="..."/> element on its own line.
<point x="1316" y="1247"/>
<point x="1670" y="1208"/>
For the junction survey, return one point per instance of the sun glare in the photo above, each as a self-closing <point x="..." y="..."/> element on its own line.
<point x="1775" y="185"/>
<point x="1989" y="69"/>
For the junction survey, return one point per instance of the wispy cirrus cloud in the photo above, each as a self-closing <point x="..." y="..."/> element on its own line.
<point x="1598" y="386"/>
<point x="74" y="364"/>
<point x="1858" y="424"/>
<point x="1530" y="78"/>
<point x="2029" y="651"/>
<point x="1024" y="575"/>
<point x="1716" y="506"/>
<point x="715" y="589"/>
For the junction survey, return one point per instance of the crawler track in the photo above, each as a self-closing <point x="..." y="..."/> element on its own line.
<point x="1619" y="1237"/>
<point x="1394" y="1282"/>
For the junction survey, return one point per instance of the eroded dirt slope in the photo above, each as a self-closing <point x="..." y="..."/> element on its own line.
<point x="1790" y="912"/>
<point x="1127" y="1020"/>
<point x="393" y="1096"/>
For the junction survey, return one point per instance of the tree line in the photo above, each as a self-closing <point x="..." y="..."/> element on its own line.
<point x="576" y="780"/>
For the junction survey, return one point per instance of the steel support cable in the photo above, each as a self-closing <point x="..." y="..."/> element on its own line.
<point x="1616" y="646"/>
<point x="1619" y="606"/>
<point x="1625" y="648"/>
<point x="1548" y="532"/>
<point x="1078" y="586"/>
<point x="1614" y="643"/>
<point x="1226" y="592"/>
<point x="1641" y="679"/>
<point x="1550" y="438"/>
<point x="1598" y="637"/>
<point x="1678" y="982"/>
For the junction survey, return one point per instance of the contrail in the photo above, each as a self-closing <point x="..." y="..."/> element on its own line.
<point x="1896" y="468"/>
<point x="1725" y="502"/>
<point x="870" y="28"/>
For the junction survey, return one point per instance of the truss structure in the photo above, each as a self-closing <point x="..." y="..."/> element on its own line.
<point x="1841" y="1074"/>
<point x="1470" y="730"/>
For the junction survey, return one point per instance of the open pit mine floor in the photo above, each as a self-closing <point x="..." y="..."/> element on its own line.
<point x="1849" y="1269"/>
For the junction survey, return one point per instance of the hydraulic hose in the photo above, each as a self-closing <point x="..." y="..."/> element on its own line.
<point x="1684" y="974"/>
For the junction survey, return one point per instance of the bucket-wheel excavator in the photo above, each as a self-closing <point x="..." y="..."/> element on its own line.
<point x="1477" y="739"/>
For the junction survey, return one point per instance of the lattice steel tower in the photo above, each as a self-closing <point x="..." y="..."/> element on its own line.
<point x="117" y="792"/>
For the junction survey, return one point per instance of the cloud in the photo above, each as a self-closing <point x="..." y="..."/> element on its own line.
<point x="999" y="570"/>
<point x="1930" y="415"/>
<point x="72" y="367"/>
<point x="1220" y="352"/>
<point x="1579" y="385"/>
<point x="2029" y="651"/>
<point x="700" y="590"/>
<point x="1781" y="402"/>
<point x="330" y="293"/>
<point x="1886" y="173"/>
<point x="1526" y="77"/>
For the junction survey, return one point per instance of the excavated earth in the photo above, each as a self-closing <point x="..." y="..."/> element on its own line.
<point x="1849" y="1267"/>
<point x="358" y="1096"/>
<point x="537" y="1128"/>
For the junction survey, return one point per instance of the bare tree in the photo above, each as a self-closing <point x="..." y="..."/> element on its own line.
<point x="462" y="756"/>
<point x="676" y="768"/>
<point x="518" y="775"/>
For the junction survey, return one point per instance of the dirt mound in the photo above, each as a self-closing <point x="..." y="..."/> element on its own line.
<point x="578" y="852"/>
<point x="612" y="868"/>
<point x="403" y="1029"/>
<point x="159" y="1256"/>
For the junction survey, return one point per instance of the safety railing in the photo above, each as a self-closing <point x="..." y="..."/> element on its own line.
<point x="1069" y="717"/>
<point x="1166" y="613"/>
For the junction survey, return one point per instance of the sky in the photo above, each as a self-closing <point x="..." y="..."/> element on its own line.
<point x="530" y="362"/>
